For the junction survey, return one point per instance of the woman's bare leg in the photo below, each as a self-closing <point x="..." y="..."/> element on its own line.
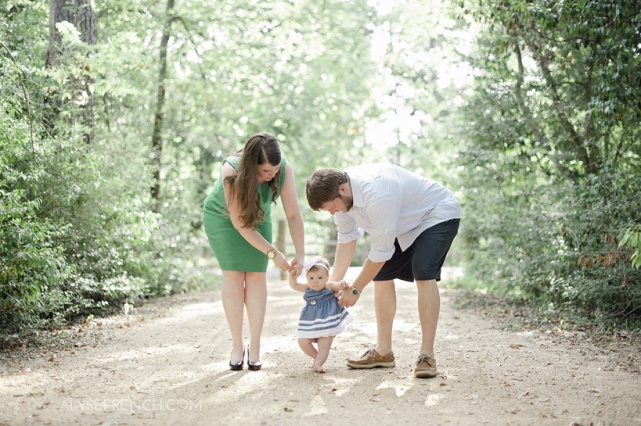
<point x="233" y="296"/>
<point x="255" y="303"/>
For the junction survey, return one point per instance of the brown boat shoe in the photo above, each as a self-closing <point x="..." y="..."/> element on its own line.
<point x="425" y="366"/>
<point x="372" y="359"/>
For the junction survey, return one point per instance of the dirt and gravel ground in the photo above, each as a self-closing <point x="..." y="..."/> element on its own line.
<point x="166" y="363"/>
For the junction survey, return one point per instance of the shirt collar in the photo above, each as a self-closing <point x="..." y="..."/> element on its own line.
<point x="355" y="186"/>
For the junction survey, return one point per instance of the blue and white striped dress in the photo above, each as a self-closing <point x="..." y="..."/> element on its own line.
<point x="322" y="316"/>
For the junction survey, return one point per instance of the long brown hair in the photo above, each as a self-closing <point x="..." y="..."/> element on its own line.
<point x="261" y="148"/>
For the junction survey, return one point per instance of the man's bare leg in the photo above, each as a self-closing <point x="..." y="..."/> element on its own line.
<point x="385" y="305"/>
<point x="429" y="306"/>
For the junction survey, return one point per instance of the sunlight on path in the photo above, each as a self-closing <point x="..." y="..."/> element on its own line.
<point x="174" y="366"/>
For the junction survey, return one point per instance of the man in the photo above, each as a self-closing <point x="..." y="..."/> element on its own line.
<point x="412" y="222"/>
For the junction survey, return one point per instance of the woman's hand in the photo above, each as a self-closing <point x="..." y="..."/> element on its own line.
<point x="281" y="262"/>
<point x="297" y="265"/>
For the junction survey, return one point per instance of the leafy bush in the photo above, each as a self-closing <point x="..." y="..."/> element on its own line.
<point x="73" y="243"/>
<point x="630" y="238"/>
<point x="552" y="164"/>
<point x="32" y="263"/>
<point x="556" y="246"/>
<point x="77" y="235"/>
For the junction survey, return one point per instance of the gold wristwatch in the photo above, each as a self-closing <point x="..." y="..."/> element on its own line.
<point x="272" y="253"/>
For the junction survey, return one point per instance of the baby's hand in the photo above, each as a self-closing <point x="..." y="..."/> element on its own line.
<point x="338" y="285"/>
<point x="342" y="285"/>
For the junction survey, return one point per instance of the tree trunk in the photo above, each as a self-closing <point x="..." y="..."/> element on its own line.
<point x="531" y="122"/>
<point x="559" y="107"/>
<point x="156" y="137"/>
<point x="82" y="15"/>
<point x="281" y="245"/>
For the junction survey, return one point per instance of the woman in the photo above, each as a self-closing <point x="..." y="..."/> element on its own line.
<point x="237" y="219"/>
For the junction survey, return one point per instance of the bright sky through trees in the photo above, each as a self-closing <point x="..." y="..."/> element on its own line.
<point x="401" y="118"/>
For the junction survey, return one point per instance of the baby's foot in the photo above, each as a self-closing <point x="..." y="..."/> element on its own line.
<point x="319" y="369"/>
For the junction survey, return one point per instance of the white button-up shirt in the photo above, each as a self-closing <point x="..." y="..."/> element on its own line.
<point x="392" y="203"/>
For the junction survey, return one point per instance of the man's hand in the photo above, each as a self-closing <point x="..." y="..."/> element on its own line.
<point x="348" y="299"/>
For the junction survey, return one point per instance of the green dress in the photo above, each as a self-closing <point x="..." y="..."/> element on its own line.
<point x="232" y="251"/>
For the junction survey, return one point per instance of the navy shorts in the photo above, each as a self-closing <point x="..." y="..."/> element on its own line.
<point x="424" y="258"/>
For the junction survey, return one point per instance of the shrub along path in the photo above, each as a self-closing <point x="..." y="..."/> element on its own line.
<point x="166" y="363"/>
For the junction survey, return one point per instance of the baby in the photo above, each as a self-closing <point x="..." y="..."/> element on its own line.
<point x="322" y="318"/>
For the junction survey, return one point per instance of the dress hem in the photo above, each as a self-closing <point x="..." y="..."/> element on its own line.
<point x="329" y="332"/>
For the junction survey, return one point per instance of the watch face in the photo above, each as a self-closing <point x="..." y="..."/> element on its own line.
<point x="355" y="291"/>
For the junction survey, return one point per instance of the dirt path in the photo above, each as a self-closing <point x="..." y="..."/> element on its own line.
<point x="166" y="363"/>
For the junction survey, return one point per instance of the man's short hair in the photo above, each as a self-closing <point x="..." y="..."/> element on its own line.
<point x="322" y="187"/>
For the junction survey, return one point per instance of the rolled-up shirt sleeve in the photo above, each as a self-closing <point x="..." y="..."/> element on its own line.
<point x="347" y="228"/>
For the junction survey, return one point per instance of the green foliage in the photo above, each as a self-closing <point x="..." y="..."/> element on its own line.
<point x="418" y="97"/>
<point x="630" y="239"/>
<point x="32" y="265"/>
<point x="559" y="251"/>
<point x="77" y="233"/>
<point x="298" y="70"/>
<point x="566" y="75"/>
<point x="548" y="173"/>
<point x="57" y="260"/>
<point x="83" y="234"/>
<point x="553" y="155"/>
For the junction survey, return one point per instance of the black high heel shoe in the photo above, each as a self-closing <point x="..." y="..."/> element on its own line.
<point x="253" y="366"/>
<point x="239" y="365"/>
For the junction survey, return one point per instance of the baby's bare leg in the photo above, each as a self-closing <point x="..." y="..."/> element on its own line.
<point x="307" y="346"/>
<point x="324" y="345"/>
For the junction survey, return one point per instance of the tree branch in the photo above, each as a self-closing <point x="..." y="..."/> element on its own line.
<point x="538" y="134"/>
<point x="563" y="119"/>
<point x="25" y="94"/>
